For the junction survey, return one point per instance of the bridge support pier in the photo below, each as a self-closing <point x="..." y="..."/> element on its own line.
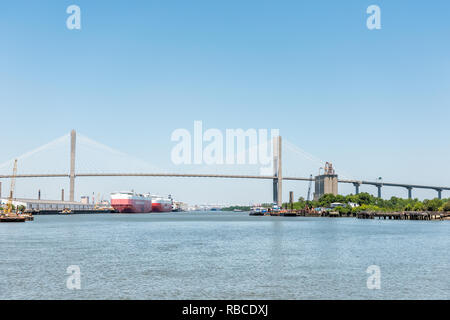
<point x="439" y="191"/>
<point x="409" y="192"/>
<point x="291" y="200"/>
<point x="277" y="182"/>
<point x="73" y="140"/>
<point x="379" y="190"/>
<point x="356" y="184"/>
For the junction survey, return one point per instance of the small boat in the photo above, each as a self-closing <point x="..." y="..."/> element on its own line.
<point x="5" y="218"/>
<point x="275" y="210"/>
<point x="258" y="211"/>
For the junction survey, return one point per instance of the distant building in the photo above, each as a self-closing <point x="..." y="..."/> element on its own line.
<point x="180" y="206"/>
<point x="326" y="183"/>
<point x="104" y="203"/>
<point x="337" y="204"/>
<point x="34" y="204"/>
<point x="85" y="199"/>
<point x="343" y="205"/>
<point x="353" y="205"/>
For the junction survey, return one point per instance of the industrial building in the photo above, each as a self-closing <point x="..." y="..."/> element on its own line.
<point x="84" y="199"/>
<point x="51" y="205"/>
<point x="327" y="183"/>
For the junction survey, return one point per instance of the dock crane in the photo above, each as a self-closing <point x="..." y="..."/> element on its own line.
<point x="9" y="204"/>
<point x="309" y="188"/>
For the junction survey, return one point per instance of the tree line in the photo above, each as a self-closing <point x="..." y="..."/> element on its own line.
<point x="368" y="202"/>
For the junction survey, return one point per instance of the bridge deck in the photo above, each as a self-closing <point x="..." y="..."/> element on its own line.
<point x="207" y="175"/>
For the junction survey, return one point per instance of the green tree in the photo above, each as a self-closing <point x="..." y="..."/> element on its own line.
<point x="351" y="198"/>
<point x="301" y="203"/>
<point x="343" y="210"/>
<point x="446" y="206"/>
<point x="408" y="207"/>
<point x="364" y="198"/>
<point x="418" y="206"/>
<point x="327" y="199"/>
<point x="432" y="205"/>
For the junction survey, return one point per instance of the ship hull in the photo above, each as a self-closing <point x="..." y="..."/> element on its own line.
<point x="161" y="207"/>
<point x="131" y="205"/>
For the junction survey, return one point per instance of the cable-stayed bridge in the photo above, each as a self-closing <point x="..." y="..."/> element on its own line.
<point x="143" y="170"/>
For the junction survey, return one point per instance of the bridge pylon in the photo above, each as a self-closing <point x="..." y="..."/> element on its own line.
<point x="277" y="172"/>
<point x="73" y="141"/>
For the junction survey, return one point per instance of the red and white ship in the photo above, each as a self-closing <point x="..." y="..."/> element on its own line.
<point x="131" y="202"/>
<point x="160" y="204"/>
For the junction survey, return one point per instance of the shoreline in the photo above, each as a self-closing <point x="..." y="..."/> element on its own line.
<point x="394" y="215"/>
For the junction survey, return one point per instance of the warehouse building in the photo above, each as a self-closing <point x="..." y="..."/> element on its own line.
<point x="52" y="205"/>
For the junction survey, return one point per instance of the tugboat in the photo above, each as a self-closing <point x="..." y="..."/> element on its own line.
<point x="258" y="211"/>
<point x="275" y="210"/>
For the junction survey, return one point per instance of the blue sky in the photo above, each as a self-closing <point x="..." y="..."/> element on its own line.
<point x="374" y="102"/>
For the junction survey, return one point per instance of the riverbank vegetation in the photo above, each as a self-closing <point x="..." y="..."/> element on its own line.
<point x="367" y="202"/>
<point x="232" y="208"/>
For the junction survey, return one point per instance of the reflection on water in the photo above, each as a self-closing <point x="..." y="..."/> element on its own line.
<point x="223" y="256"/>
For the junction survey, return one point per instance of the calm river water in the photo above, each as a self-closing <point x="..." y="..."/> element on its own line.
<point x="212" y="255"/>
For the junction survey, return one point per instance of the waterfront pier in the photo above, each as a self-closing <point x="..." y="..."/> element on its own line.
<point x="408" y="215"/>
